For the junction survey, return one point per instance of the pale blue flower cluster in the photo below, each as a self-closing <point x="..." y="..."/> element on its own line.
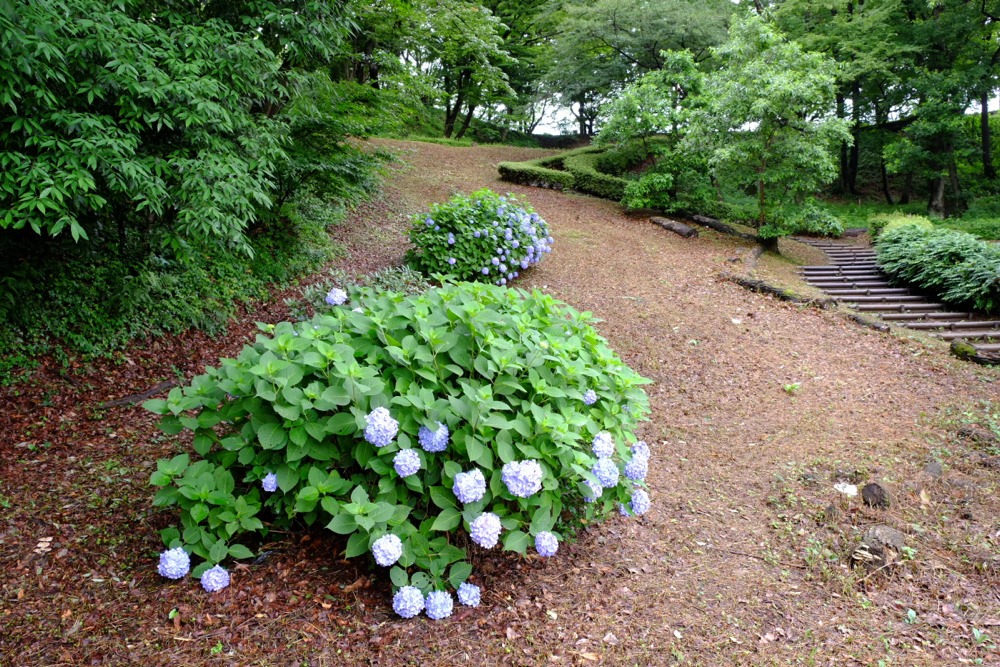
<point x="640" y="502"/>
<point x="215" y="579"/>
<point x="439" y="605"/>
<point x="485" y="530"/>
<point x="408" y="601"/>
<point x="640" y="449"/>
<point x="469" y="594"/>
<point x="606" y="472"/>
<point x="336" y="297"/>
<point x="433" y="441"/>
<point x="589" y="397"/>
<point x="522" y="478"/>
<point x="603" y="445"/>
<point x="469" y="487"/>
<point x="380" y="427"/>
<point x="174" y="563"/>
<point x="387" y="549"/>
<point x="406" y="462"/>
<point x="270" y="482"/>
<point x="637" y="468"/>
<point x="596" y="489"/>
<point x="546" y="544"/>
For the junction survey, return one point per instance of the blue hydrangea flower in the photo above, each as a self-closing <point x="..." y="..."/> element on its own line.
<point x="428" y="221"/>
<point x="469" y="487"/>
<point x="523" y="478"/>
<point x="439" y="605"/>
<point x="174" y="563"/>
<point x="215" y="579"/>
<point x="637" y="469"/>
<point x="515" y="243"/>
<point x="589" y="397"/>
<point x="336" y="297"/>
<point x="433" y="441"/>
<point x="597" y="490"/>
<point x="476" y="234"/>
<point x="451" y="239"/>
<point x="503" y="268"/>
<point x="406" y="462"/>
<point x="606" y="472"/>
<point x="640" y="449"/>
<point x="270" y="482"/>
<point x="485" y="530"/>
<point x="381" y="428"/>
<point x="486" y="270"/>
<point x="387" y="549"/>
<point x="546" y="544"/>
<point x="494" y="261"/>
<point x="408" y="601"/>
<point x="469" y="594"/>
<point x="603" y="446"/>
<point x="640" y="503"/>
<point x="502" y="281"/>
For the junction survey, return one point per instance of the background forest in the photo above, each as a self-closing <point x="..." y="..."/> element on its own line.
<point x="163" y="160"/>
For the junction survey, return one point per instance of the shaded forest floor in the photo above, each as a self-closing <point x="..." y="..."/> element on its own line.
<point x="759" y="408"/>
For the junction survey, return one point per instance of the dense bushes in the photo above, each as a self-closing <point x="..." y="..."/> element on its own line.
<point x="882" y="221"/>
<point x="413" y="426"/>
<point x="810" y="219"/>
<point x="480" y="237"/>
<point x="545" y="171"/>
<point x="955" y="266"/>
<point x="586" y="177"/>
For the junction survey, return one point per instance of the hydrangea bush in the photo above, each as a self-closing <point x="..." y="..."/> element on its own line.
<point x="422" y="427"/>
<point x="481" y="237"/>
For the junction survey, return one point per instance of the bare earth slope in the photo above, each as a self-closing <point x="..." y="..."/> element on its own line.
<point x="759" y="408"/>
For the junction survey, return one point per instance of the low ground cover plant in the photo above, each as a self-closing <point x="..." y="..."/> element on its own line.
<point x="419" y="427"/>
<point x="957" y="267"/>
<point x="481" y="237"/>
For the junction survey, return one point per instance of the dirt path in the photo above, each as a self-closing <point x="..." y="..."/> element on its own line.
<point x="759" y="407"/>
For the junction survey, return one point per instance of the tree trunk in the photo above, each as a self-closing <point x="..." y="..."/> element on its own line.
<point x="907" y="188"/>
<point x="935" y="206"/>
<point x="466" y="122"/>
<point x="984" y="126"/>
<point x="957" y="204"/>
<point x="852" y="166"/>
<point x="885" y="183"/>
<point x="843" y="147"/>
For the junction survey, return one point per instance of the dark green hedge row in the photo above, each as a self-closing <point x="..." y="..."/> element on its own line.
<point x="956" y="267"/>
<point x="587" y="179"/>
<point x="575" y="169"/>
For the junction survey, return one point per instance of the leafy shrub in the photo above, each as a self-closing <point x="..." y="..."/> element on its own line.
<point x="618" y="160"/>
<point x="480" y="237"/>
<point x="879" y="222"/>
<point x="810" y="218"/>
<point x="586" y="177"/>
<point x="955" y="266"/>
<point x="524" y="173"/>
<point x="393" y="279"/>
<point x="324" y="423"/>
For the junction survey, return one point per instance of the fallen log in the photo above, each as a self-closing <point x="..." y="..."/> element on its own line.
<point x="720" y="226"/>
<point x="139" y="397"/>
<point x="762" y="287"/>
<point x="674" y="226"/>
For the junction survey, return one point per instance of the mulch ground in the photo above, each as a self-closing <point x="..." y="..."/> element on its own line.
<point x="759" y="408"/>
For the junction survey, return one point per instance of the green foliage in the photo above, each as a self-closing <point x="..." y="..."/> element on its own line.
<point x="810" y="219"/>
<point x="586" y="177"/>
<point x="545" y="172"/>
<point x="957" y="267"/>
<point x="312" y="301"/>
<point x="617" y="160"/>
<point x="880" y="222"/>
<point x="504" y="370"/>
<point x="480" y="237"/>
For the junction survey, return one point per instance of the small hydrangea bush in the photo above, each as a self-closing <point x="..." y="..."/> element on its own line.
<point x="482" y="237"/>
<point x="420" y="427"/>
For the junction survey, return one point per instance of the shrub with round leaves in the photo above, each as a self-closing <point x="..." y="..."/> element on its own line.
<point x="481" y="237"/>
<point x="420" y="428"/>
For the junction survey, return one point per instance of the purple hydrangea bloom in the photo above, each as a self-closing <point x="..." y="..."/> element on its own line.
<point x="502" y="281"/>
<point x="606" y="472"/>
<point x="486" y="270"/>
<point x="336" y="297"/>
<point x="433" y="441"/>
<point x="174" y="563"/>
<point x="387" y="549"/>
<point x="515" y="243"/>
<point x="451" y="239"/>
<point x="639" y="504"/>
<point x="523" y="478"/>
<point x="428" y="221"/>
<point x="476" y="234"/>
<point x="452" y="260"/>
<point x="469" y="594"/>
<point x="215" y="579"/>
<point x="597" y="490"/>
<point x="439" y="605"/>
<point x="637" y="468"/>
<point x="546" y="544"/>
<point x="603" y="446"/>
<point x="485" y="530"/>
<point x="494" y="261"/>
<point x="406" y="462"/>
<point x="640" y="449"/>
<point x="381" y="428"/>
<point x="589" y="397"/>
<point x="270" y="482"/>
<point x="469" y="487"/>
<point x="408" y="601"/>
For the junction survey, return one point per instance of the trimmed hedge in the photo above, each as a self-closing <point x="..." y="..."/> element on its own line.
<point x="956" y="267"/>
<point x="881" y="222"/>
<point x="575" y="169"/>
<point x="588" y="179"/>
<point x="527" y="173"/>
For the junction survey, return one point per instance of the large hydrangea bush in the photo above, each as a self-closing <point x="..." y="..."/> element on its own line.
<point x="420" y="427"/>
<point x="481" y="237"/>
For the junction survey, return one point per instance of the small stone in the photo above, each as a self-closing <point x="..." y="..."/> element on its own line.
<point x="875" y="496"/>
<point x="978" y="435"/>
<point x="849" y="490"/>
<point x="882" y="535"/>
<point x="934" y="469"/>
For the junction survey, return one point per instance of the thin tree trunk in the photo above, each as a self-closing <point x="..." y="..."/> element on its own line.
<point x="935" y="206"/>
<point x="852" y="166"/>
<point x="984" y="126"/>
<point x="885" y="182"/>
<point x="907" y="188"/>
<point x="843" y="147"/>
<point x="958" y="204"/>
<point x="466" y="122"/>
